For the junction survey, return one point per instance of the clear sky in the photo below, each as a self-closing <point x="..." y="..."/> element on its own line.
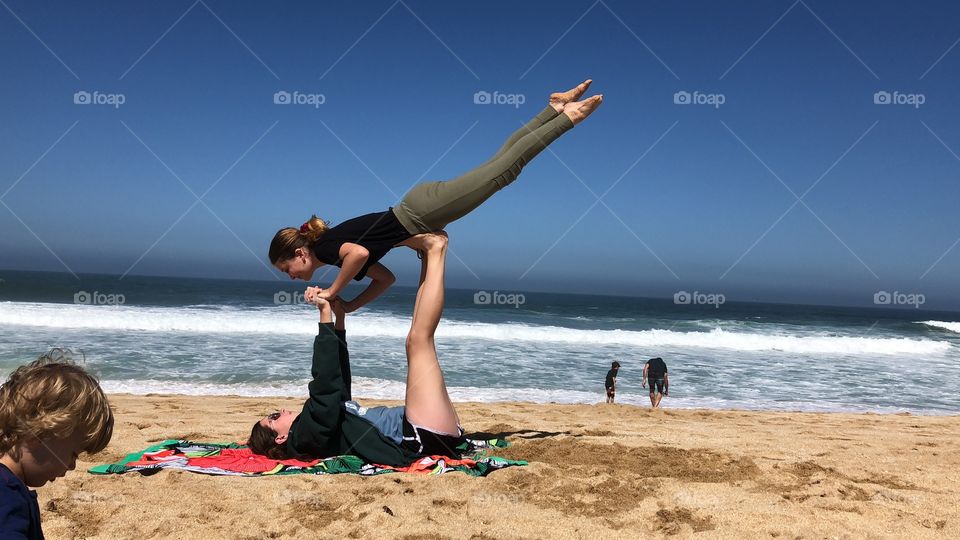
<point x="777" y="176"/>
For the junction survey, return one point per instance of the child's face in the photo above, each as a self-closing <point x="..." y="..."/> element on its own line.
<point x="45" y="461"/>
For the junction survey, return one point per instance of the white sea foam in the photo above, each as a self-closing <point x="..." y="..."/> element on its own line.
<point x="297" y="320"/>
<point x="361" y="386"/>
<point x="945" y="325"/>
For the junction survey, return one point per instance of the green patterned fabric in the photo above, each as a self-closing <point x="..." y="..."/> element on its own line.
<point x="237" y="460"/>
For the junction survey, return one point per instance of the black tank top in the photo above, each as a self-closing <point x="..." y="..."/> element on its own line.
<point x="379" y="232"/>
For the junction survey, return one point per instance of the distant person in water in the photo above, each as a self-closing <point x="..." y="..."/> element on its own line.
<point x="611" y="382"/>
<point x="356" y="245"/>
<point x="655" y="372"/>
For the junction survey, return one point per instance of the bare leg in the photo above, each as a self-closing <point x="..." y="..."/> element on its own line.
<point x="431" y="206"/>
<point x="557" y="102"/>
<point x="427" y="401"/>
<point x="419" y="243"/>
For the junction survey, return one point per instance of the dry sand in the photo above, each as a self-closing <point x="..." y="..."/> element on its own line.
<point x="596" y="471"/>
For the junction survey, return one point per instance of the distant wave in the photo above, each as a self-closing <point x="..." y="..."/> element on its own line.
<point x="951" y="326"/>
<point x="714" y="339"/>
<point x="300" y="320"/>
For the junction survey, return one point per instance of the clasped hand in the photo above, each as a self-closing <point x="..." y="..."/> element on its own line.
<point x="316" y="296"/>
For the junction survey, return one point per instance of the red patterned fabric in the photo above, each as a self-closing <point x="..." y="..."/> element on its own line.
<point x="243" y="460"/>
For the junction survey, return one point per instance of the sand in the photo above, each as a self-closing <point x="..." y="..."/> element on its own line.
<point x="596" y="471"/>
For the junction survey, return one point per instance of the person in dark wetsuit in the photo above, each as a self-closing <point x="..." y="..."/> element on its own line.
<point x="331" y="424"/>
<point x="611" y="382"/>
<point x="358" y="244"/>
<point x="655" y="371"/>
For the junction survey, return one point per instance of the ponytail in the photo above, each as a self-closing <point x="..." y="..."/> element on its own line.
<point x="313" y="229"/>
<point x="287" y="240"/>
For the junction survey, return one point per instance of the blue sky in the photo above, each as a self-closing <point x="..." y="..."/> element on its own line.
<point x="694" y="196"/>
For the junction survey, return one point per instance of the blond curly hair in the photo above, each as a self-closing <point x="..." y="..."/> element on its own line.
<point x="53" y="398"/>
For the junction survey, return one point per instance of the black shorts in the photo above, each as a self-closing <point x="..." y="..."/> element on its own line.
<point x="430" y="443"/>
<point x="655" y="383"/>
<point x="611" y="390"/>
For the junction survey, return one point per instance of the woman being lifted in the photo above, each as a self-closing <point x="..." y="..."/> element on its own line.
<point x="356" y="245"/>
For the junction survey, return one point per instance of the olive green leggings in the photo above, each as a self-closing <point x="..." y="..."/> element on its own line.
<point x="431" y="206"/>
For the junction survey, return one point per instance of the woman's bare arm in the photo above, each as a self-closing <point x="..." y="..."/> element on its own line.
<point x="382" y="278"/>
<point x="354" y="256"/>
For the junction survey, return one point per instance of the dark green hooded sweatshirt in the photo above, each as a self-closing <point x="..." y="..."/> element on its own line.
<point x="324" y="428"/>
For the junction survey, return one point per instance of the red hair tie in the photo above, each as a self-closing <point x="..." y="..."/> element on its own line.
<point x="304" y="228"/>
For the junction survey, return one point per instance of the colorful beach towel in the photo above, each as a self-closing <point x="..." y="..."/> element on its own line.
<point x="237" y="460"/>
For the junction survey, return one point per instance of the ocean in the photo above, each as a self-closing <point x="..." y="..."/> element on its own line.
<point x="253" y="338"/>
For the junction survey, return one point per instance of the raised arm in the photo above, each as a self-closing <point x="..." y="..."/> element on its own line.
<point x="340" y="329"/>
<point x="341" y="315"/>
<point x="312" y="295"/>
<point x="318" y="422"/>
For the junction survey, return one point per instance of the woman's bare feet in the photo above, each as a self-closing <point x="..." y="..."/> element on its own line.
<point x="579" y="110"/>
<point x="435" y="241"/>
<point x="559" y="99"/>
<point x="424" y="242"/>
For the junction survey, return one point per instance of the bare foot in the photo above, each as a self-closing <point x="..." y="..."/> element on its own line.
<point x="423" y="242"/>
<point x="579" y="110"/>
<point x="435" y="241"/>
<point x="559" y="99"/>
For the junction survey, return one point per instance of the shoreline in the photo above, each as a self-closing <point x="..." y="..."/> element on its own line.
<point x="665" y="405"/>
<point x="610" y="471"/>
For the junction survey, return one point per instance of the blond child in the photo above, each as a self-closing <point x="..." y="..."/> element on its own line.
<point x="51" y="410"/>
